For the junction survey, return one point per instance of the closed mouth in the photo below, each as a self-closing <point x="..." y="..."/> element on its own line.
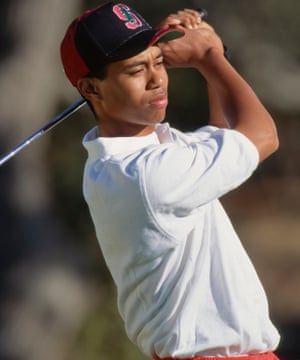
<point x="160" y="100"/>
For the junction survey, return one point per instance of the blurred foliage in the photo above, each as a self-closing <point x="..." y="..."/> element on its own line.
<point x="102" y="335"/>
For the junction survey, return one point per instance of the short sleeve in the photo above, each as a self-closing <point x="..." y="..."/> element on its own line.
<point x="185" y="175"/>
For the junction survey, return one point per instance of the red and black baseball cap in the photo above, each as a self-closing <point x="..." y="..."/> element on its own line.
<point x="108" y="33"/>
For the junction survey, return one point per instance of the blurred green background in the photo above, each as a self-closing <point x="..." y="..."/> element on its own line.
<point x="57" y="298"/>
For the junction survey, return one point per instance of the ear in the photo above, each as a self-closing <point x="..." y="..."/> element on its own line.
<point x="88" y="88"/>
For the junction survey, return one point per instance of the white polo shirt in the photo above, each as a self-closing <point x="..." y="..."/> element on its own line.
<point x="185" y="284"/>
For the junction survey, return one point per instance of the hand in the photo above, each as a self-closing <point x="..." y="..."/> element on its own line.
<point x="187" y="18"/>
<point x="191" y="49"/>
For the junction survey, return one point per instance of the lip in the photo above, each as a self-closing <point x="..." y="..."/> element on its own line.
<point x="159" y="101"/>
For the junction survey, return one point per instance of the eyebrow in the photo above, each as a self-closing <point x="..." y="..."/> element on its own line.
<point x="141" y="62"/>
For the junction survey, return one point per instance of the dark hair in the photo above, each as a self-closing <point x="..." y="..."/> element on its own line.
<point x="99" y="73"/>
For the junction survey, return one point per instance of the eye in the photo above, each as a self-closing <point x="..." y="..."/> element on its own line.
<point x="136" y="71"/>
<point x="159" y="63"/>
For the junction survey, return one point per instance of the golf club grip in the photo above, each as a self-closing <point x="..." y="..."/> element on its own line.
<point x="203" y="13"/>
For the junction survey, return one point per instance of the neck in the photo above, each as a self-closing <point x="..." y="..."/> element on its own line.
<point x="129" y="131"/>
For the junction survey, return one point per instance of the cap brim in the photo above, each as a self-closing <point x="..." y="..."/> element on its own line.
<point x="145" y="39"/>
<point x="164" y="35"/>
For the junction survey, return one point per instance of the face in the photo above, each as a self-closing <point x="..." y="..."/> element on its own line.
<point x="133" y="95"/>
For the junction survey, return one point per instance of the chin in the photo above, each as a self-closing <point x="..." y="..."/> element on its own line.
<point x="160" y="117"/>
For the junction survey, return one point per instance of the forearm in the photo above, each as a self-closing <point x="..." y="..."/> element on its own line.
<point x="240" y="106"/>
<point x="216" y="115"/>
<point x="232" y="101"/>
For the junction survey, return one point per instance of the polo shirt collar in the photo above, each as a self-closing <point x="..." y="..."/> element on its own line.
<point x="107" y="146"/>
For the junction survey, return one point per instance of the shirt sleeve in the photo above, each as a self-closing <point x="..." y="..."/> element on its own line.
<point x="181" y="177"/>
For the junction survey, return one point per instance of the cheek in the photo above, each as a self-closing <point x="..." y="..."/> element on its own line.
<point x="129" y="92"/>
<point x="123" y="102"/>
<point x="133" y="94"/>
<point x="166" y="79"/>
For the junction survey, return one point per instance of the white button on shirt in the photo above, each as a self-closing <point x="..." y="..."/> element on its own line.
<point x="185" y="284"/>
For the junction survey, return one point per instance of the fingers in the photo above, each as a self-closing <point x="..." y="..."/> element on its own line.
<point x="187" y="18"/>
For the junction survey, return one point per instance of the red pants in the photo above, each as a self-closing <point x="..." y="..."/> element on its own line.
<point x="263" y="356"/>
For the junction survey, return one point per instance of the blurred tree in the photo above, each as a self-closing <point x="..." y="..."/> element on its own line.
<point x="42" y="295"/>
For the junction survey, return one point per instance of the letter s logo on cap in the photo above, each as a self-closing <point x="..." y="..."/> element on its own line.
<point x="124" y="13"/>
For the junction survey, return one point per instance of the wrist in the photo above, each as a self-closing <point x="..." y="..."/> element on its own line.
<point x="213" y="56"/>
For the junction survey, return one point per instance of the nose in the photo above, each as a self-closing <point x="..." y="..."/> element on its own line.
<point x="156" y="79"/>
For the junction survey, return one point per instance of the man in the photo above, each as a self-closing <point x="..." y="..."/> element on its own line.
<point x="186" y="287"/>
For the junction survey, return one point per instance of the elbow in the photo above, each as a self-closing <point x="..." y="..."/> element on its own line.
<point x="274" y="141"/>
<point x="268" y="145"/>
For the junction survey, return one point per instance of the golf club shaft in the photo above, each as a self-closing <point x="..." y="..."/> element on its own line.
<point x="51" y="124"/>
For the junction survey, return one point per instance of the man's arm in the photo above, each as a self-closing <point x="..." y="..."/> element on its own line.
<point x="241" y="107"/>
<point x="216" y="115"/>
<point x="202" y="49"/>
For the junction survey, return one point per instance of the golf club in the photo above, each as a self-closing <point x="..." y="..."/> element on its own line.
<point x="59" y="118"/>
<point x="53" y="122"/>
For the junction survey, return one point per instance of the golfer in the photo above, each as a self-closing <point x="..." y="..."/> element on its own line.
<point x="186" y="287"/>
